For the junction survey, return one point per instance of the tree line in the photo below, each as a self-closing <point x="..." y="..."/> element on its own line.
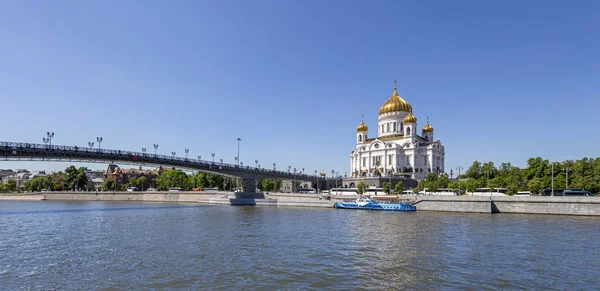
<point x="584" y="174"/>
<point x="71" y="179"/>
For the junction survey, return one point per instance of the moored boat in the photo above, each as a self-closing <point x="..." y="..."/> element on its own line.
<point x="366" y="203"/>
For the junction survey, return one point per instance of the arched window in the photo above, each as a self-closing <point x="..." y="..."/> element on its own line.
<point x="387" y="127"/>
<point x="408" y="131"/>
<point x="360" y="137"/>
<point x="401" y="125"/>
<point x="394" y="126"/>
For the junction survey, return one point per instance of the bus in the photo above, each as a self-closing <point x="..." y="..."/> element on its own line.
<point x="306" y="191"/>
<point x="489" y="192"/>
<point x="557" y="191"/>
<point x="375" y="191"/>
<point x="343" y="191"/>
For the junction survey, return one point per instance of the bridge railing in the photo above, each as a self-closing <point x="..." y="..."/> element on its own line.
<point x="111" y="153"/>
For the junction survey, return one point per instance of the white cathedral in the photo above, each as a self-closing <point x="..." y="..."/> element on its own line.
<point x="398" y="150"/>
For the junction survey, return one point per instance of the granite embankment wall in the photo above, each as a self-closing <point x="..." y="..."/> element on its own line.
<point x="116" y="196"/>
<point x="511" y="204"/>
<point x="495" y="204"/>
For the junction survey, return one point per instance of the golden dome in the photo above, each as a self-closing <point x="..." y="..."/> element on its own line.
<point x="395" y="104"/>
<point x="427" y="128"/>
<point x="362" y="126"/>
<point x="410" y="118"/>
<point x="323" y="174"/>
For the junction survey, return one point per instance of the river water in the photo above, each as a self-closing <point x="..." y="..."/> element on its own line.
<point x="126" y="246"/>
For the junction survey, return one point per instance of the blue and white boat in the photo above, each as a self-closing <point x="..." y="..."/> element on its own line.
<point x="366" y="203"/>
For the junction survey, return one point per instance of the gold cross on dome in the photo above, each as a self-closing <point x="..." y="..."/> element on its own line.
<point x="395" y="83"/>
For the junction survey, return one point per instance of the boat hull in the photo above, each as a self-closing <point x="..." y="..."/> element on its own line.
<point x="371" y="206"/>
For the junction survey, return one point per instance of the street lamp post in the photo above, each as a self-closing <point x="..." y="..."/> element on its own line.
<point x="294" y="185"/>
<point x="46" y="140"/>
<point x="99" y="140"/>
<point x="155" y="148"/>
<point x="332" y="173"/>
<point x="256" y="162"/>
<point x="317" y="181"/>
<point x="199" y="158"/>
<point x="213" y="156"/>
<point x="91" y="144"/>
<point x="173" y="154"/>
<point x="50" y="135"/>
<point x="274" y="168"/>
<point x="238" y="155"/>
<point x="552" y="179"/>
<point x="459" y="168"/>
<point x="144" y="150"/>
<point x="567" y="177"/>
<point x="186" y="153"/>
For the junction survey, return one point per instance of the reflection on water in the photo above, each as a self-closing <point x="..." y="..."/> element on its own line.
<point x="91" y="245"/>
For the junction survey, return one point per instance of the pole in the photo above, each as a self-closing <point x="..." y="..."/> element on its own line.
<point x="567" y="174"/>
<point x="552" y="179"/>
<point x="458" y="178"/>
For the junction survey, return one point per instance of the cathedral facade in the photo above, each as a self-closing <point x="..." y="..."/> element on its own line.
<point x="398" y="150"/>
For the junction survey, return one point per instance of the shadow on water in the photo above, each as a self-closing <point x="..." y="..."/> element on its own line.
<point x="100" y="209"/>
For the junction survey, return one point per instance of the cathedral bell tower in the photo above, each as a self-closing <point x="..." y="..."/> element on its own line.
<point x="427" y="131"/>
<point x="362" y="131"/>
<point x="410" y="126"/>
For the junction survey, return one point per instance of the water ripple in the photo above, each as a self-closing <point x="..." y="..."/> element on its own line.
<point x="121" y="246"/>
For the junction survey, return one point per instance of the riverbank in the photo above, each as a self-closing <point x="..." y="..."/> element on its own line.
<point x="587" y="206"/>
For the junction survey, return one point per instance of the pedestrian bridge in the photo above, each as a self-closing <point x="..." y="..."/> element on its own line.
<point x="44" y="152"/>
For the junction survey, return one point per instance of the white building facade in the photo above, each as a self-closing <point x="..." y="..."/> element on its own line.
<point x="398" y="150"/>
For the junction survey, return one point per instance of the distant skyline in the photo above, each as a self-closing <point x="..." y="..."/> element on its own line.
<point x="499" y="81"/>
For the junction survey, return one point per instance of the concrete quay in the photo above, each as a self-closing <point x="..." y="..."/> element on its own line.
<point x="587" y="206"/>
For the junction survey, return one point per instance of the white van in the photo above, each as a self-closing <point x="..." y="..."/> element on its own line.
<point x="132" y="189"/>
<point x="408" y="192"/>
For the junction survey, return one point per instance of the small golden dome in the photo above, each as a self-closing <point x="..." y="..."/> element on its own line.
<point x="323" y="174"/>
<point x="362" y="126"/>
<point x="427" y="128"/>
<point x="410" y="118"/>
<point x="395" y="104"/>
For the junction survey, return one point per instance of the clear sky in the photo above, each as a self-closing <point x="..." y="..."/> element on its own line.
<point x="499" y="80"/>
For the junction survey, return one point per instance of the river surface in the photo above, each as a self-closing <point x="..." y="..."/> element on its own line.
<point x="126" y="246"/>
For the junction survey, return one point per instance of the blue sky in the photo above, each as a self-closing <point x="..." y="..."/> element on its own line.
<point x="499" y="80"/>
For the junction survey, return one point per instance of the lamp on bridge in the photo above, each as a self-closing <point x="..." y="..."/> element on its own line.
<point x="221" y="161"/>
<point x="186" y="153"/>
<point x="50" y="135"/>
<point x="199" y="158"/>
<point x="99" y="140"/>
<point x="274" y="168"/>
<point x="213" y="156"/>
<point x="91" y="144"/>
<point x="256" y="161"/>
<point x="155" y="148"/>
<point x="173" y="153"/>
<point x="144" y="151"/>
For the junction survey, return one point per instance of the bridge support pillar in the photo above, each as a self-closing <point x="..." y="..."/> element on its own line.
<point x="248" y="185"/>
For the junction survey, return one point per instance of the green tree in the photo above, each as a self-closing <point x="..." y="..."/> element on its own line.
<point x="59" y="181"/>
<point x="361" y="188"/>
<point x="143" y="183"/>
<point x="108" y="185"/>
<point x="173" y="179"/>
<point x="76" y="178"/>
<point x="387" y="187"/>
<point x="431" y="182"/>
<point x="474" y="171"/>
<point x="11" y="185"/>
<point x="443" y="181"/>
<point x="399" y="187"/>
